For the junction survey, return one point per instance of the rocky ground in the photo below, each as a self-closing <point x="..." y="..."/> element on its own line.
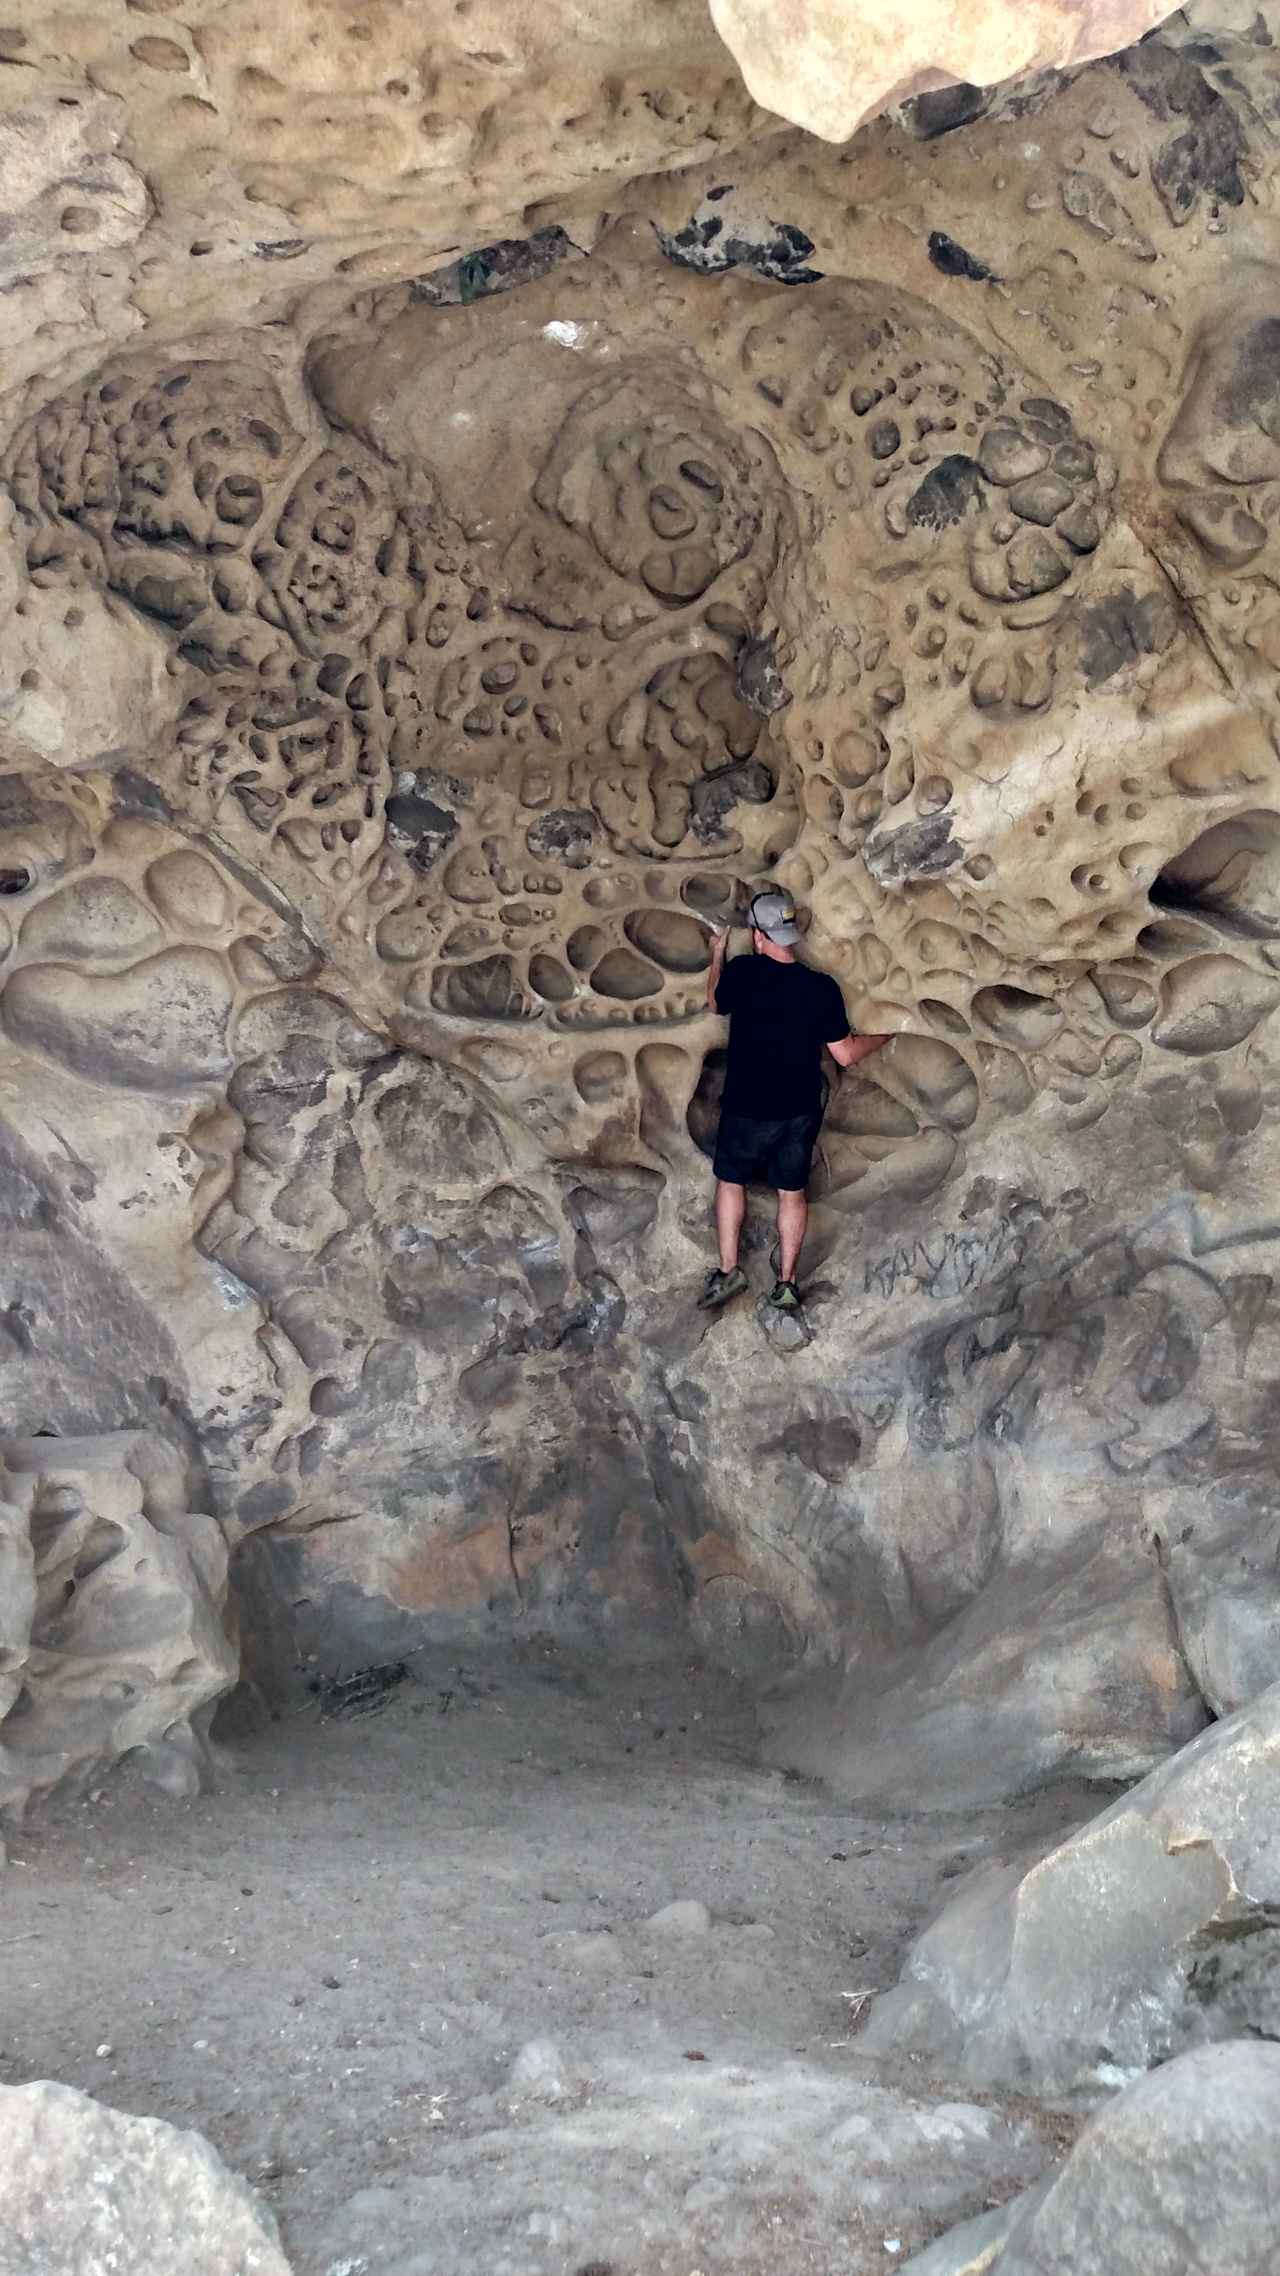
<point x="414" y="1972"/>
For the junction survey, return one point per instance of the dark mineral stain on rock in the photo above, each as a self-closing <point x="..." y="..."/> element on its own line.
<point x="132" y="794"/>
<point x="500" y="267"/>
<point x="412" y="814"/>
<point x="567" y="835"/>
<point x="711" y="242"/>
<point x="828" y="1445"/>
<point x="944" y="109"/>
<point x="1250" y="394"/>
<point x="919" y="849"/>
<point x="955" y="260"/>
<point x="757" y="680"/>
<point x="715" y="796"/>
<point x="416" y="815"/>
<point x="946" y="493"/>
<point x="1204" y="156"/>
<point x="1123" y="626"/>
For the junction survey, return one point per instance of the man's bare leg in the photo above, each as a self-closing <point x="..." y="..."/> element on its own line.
<point x="793" y="1217"/>
<point x="731" y="1208"/>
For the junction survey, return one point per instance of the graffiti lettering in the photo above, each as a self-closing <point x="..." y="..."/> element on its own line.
<point x="951" y="1264"/>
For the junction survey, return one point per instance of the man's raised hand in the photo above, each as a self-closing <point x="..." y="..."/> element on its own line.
<point x="719" y="932"/>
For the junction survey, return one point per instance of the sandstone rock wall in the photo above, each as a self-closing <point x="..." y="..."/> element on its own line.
<point x="161" y="168"/>
<point x="399" y="659"/>
<point x="165" y="167"/>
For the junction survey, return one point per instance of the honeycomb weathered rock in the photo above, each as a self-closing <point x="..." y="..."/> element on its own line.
<point x="401" y="664"/>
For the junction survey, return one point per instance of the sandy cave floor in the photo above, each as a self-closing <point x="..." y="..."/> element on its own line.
<point x="402" y="1969"/>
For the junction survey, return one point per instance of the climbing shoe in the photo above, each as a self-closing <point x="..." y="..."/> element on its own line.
<point x="720" y="1287"/>
<point x="785" y="1296"/>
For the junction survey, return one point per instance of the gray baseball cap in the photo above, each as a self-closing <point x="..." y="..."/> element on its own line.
<point x="774" y="915"/>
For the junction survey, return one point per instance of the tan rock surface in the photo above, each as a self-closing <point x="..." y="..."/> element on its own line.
<point x="829" y="65"/>
<point x="410" y="639"/>
<point x="167" y="170"/>
<point x="162" y="172"/>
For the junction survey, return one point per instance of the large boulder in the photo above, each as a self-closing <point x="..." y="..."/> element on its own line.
<point x="87" y="2191"/>
<point x="830" y="64"/>
<point x="1175" y="2178"/>
<point x="1150" y="1930"/>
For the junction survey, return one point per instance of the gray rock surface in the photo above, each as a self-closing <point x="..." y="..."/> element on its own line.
<point x="1174" y="2178"/>
<point x="1149" y="1931"/>
<point x="88" y="2191"/>
<point x="1048" y="1672"/>
<point x="114" y="1635"/>
<point x="972" y="2248"/>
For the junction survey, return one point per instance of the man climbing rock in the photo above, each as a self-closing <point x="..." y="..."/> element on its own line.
<point x="780" y="1013"/>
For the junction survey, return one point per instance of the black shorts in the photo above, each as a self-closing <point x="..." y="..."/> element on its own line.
<point x="767" y="1153"/>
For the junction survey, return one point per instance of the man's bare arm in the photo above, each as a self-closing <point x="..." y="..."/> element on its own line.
<point x="853" y="1048"/>
<point x="719" y="944"/>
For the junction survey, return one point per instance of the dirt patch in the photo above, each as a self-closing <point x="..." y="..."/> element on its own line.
<point x="403" y="1970"/>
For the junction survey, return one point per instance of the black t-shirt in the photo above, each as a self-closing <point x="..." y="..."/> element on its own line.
<point x="780" y="1015"/>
